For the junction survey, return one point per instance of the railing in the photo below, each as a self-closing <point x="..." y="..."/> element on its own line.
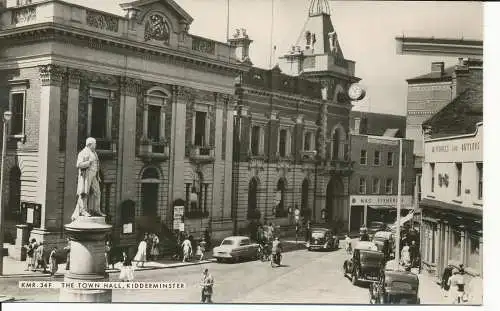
<point x="307" y="155"/>
<point x="203" y="45"/>
<point x="105" y="147"/>
<point x="154" y="149"/>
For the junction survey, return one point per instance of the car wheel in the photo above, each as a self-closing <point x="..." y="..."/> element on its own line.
<point x="309" y="249"/>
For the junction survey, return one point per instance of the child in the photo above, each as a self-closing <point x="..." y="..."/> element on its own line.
<point x="53" y="261"/>
<point x="200" y="251"/>
<point x="127" y="271"/>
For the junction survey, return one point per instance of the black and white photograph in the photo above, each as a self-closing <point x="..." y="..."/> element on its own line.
<point x="298" y="152"/>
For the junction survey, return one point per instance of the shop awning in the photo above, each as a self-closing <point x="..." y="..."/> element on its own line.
<point x="450" y="207"/>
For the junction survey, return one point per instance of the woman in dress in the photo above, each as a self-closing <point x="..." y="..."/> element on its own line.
<point x="127" y="270"/>
<point x="30" y="253"/>
<point x="155" y="247"/>
<point x="53" y="261"/>
<point x="405" y="255"/>
<point x="140" y="257"/>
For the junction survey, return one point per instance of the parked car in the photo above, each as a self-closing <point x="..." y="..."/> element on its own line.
<point x="395" y="287"/>
<point x="366" y="263"/>
<point x="236" y="248"/>
<point x="376" y="226"/>
<point x="322" y="238"/>
<point x="382" y="238"/>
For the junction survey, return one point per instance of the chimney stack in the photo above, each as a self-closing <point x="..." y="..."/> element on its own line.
<point x="240" y="42"/>
<point x="437" y="67"/>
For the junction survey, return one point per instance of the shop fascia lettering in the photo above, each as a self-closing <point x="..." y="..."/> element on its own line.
<point x="381" y="200"/>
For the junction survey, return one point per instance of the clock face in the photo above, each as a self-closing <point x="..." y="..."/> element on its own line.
<point x="355" y="92"/>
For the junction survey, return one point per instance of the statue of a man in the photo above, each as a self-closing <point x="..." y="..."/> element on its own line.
<point x="88" y="192"/>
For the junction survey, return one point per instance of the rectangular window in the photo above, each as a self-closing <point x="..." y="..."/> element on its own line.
<point x="98" y="117"/>
<point x="403" y="159"/>
<point x="307" y="141"/>
<point x="362" y="185"/>
<point x="154" y="120"/>
<point x="390" y="158"/>
<point x="433" y="178"/>
<point x="200" y="137"/>
<point x="18" y="110"/>
<point x="282" y="143"/>
<point x="388" y="186"/>
<point x="376" y="186"/>
<point x="363" y="157"/>
<point x="480" y="181"/>
<point x="255" y="140"/>
<point x="459" y="179"/>
<point x="376" y="158"/>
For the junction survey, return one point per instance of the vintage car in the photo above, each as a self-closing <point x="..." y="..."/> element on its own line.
<point x="366" y="263"/>
<point x="382" y="238"/>
<point x="395" y="287"/>
<point x="236" y="248"/>
<point x="323" y="239"/>
<point x="375" y="226"/>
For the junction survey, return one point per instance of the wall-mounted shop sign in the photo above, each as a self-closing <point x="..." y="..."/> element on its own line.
<point x="406" y="200"/>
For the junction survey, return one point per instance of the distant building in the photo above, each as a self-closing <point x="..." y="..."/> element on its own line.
<point x="292" y="146"/>
<point x="452" y="184"/>
<point x="373" y="186"/>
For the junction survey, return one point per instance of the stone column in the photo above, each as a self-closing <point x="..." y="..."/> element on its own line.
<point x="181" y="98"/>
<point x="48" y="146"/>
<point x="70" y="169"/>
<point x="127" y="178"/>
<point x="228" y="165"/>
<point x="446" y="243"/>
<point x="87" y="236"/>
<point x="219" y="165"/>
<point x="462" y="244"/>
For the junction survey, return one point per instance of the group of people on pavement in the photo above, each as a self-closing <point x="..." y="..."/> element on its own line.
<point x="453" y="284"/>
<point x="37" y="259"/>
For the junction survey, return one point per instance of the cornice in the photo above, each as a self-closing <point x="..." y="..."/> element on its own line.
<point x="101" y="41"/>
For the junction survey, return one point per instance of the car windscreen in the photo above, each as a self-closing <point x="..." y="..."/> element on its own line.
<point x="371" y="256"/>
<point x="227" y="242"/>
<point x="376" y="225"/>
<point x="317" y="234"/>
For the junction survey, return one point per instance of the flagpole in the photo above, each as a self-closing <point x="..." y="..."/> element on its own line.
<point x="227" y="20"/>
<point x="271" y="41"/>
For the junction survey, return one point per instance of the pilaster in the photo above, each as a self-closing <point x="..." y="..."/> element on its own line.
<point x="48" y="142"/>
<point x="178" y="139"/>
<point x="70" y="157"/>
<point x="126" y="178"/>
<point x="219" y="165"/>
<point x="228" y="164"/>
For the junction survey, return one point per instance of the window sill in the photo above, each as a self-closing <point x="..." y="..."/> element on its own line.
<point x="18" y="137"/>
<point x="457" y="201"/>
<point x="477" y="204"/>
<point x="431" y="196"/>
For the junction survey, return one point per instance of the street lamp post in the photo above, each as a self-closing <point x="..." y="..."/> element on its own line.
<point x="398" y="206"/>
<point x="315" y="182"/>
<point x="7" y="115"/>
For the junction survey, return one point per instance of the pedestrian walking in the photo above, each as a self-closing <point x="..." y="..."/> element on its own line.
<point x="413" y="253"/>
<point x="457" y="286"/>
<point x="405" y="255"/>
<point x="187" y="250"/>
<point x="141" y="255"/>
<point x="445" y="287"/>
<point x="155" y="247"/>
<point x="67" y="249"/>
<point x="41" y="261"/>
<point x="127" y="270"/>
<point x="200" y="251"/>
<point x="207" y="284"/>
<point x="53" y="261"/>
<point x="30" y="253"/>
<point x="348" y="245"/>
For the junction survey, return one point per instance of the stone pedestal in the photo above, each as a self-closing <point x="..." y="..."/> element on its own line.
<point x="18" y="252"/>
<point x="87" y="263"/>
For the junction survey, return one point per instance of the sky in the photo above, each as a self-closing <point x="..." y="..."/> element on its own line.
<point x="366" y="32"/>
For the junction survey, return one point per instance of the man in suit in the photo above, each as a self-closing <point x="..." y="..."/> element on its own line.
<point x="88" y="191"/>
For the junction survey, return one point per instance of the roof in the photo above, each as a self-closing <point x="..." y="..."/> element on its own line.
<point x="383" y="234"/>
<point x="373" y="123"/>
<point x="401" y="276"/>
<point x="170" y="3"/>
<point x="391" y="132"/>
<point x="434" y="76"/>
<point x="236" y="237"/>
<point x="459" y="117"/>
<point x="365" y="245"/>
<point x="319" y="229"/>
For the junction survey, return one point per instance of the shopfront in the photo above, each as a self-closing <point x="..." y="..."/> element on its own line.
<point x="367" y="208"/>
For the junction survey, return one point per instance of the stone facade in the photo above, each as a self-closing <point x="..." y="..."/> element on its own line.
<point x="136" y="99"/>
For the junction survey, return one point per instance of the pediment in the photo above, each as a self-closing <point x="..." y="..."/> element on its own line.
<point x="158" y="20"/>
